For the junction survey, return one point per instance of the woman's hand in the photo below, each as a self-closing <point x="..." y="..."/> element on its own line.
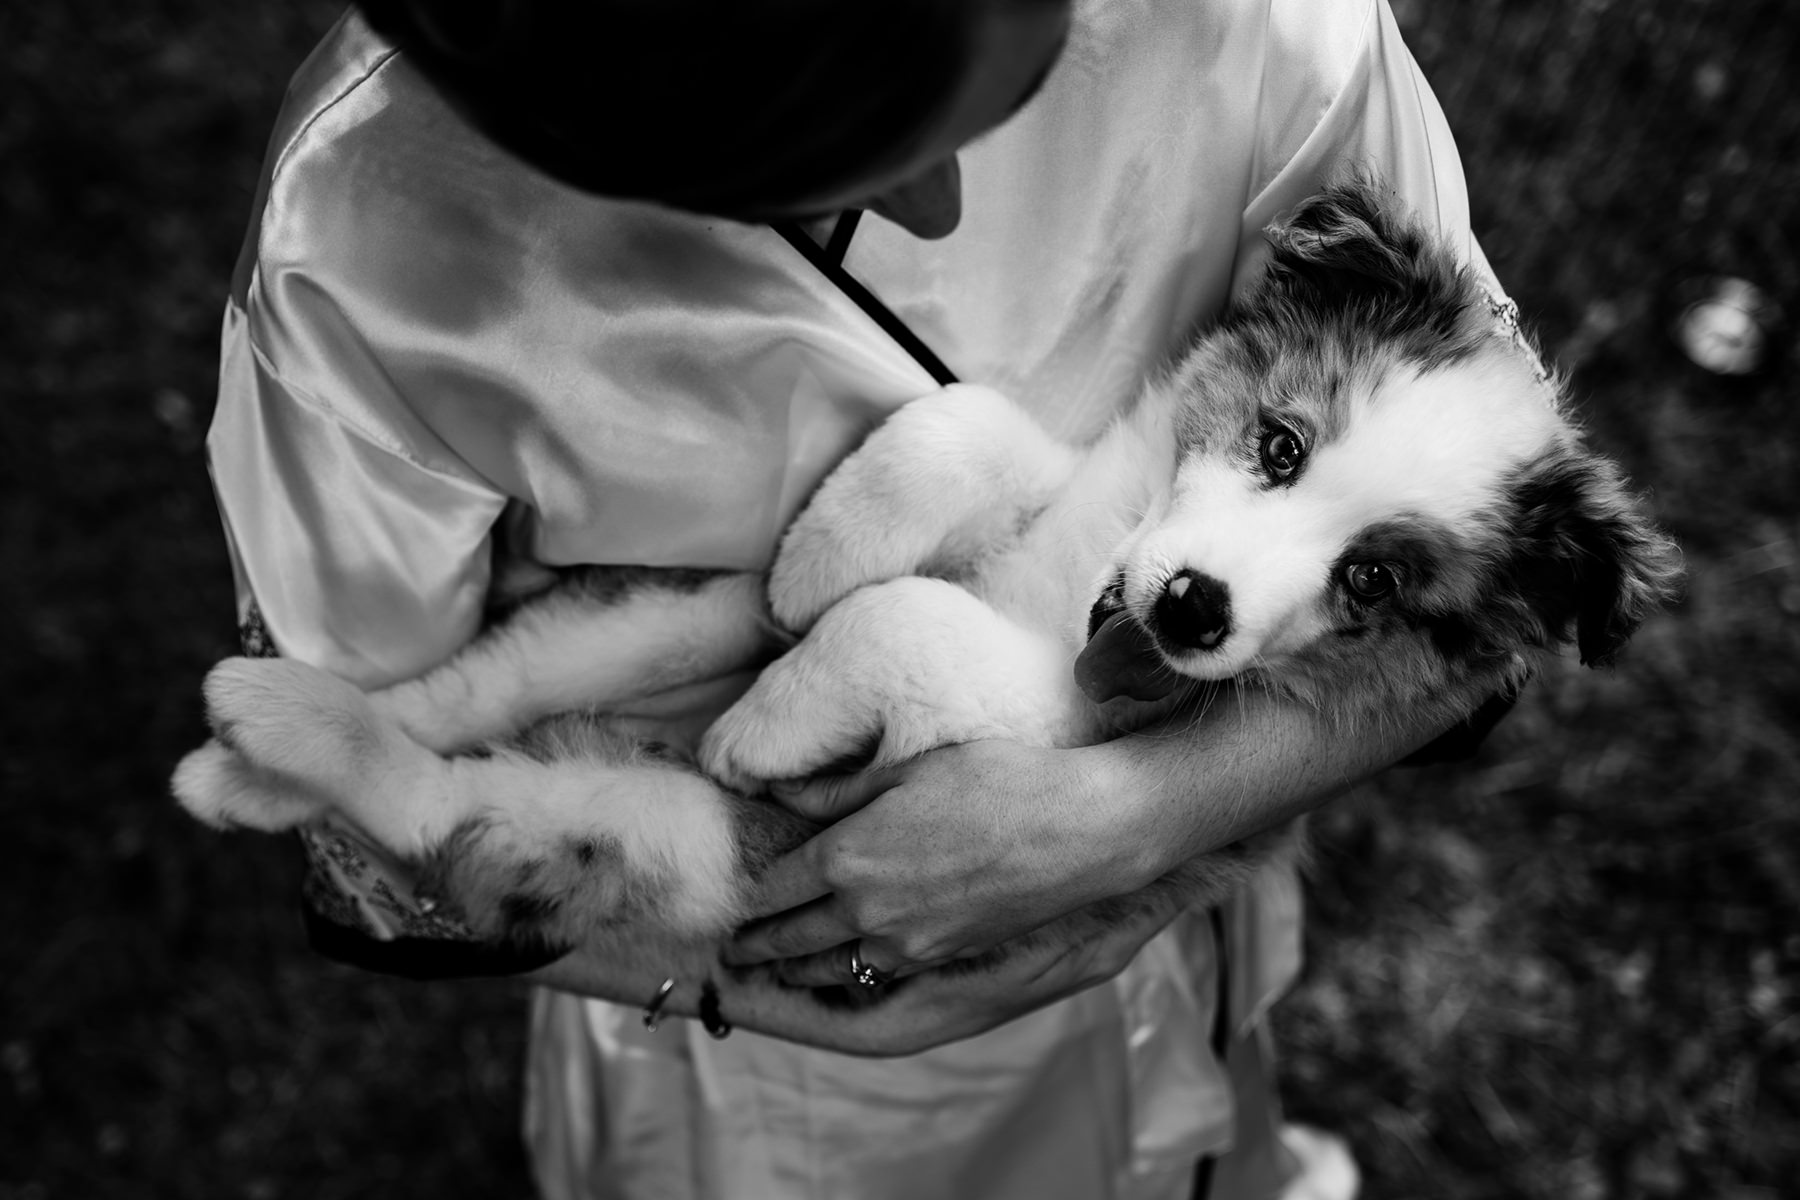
<point x="930" y="1009"/>
<point x="954" y="852"/>
<point x="966" y="847"/>
<point x="942" y="857"/>
<point x="933" y="1008"/>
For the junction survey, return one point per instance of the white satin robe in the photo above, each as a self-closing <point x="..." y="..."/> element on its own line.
<point x="428" y="346"/>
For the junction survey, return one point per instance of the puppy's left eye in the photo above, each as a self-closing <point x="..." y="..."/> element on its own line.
<point x="1282" y="453"/>
<point x="1369" y="581"/>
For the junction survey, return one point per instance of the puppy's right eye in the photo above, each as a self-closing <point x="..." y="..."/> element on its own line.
<point x="1282" y="452"/>
<point x="1369" y="581"/>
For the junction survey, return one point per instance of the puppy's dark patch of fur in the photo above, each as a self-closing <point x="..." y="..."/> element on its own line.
<point x="519" y="904"/>
<point x="603" y="585"/>
<point x="1582" y="558"/>
<point x="584" y="734"/>
<point x="1346" y="258"/>
<point x="1565" y="561"/>
<point x="524" y="913"/>
<point x="765" y="831"/>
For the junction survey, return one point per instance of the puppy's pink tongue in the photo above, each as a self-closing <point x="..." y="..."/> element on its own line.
<point x="1121" y="660"/>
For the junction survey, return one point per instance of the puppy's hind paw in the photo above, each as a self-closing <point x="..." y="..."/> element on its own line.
<point x="219" y="788"/>
<point x="296" y="721"/>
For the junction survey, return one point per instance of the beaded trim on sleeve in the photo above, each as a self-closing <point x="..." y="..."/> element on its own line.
<point x="1506" y="315"/>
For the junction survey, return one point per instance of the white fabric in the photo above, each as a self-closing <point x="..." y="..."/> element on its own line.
<point x="427" y="345"/>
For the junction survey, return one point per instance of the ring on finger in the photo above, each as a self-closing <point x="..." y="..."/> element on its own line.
<point x="866" y="974"/>
<point x="653" y="1010"/>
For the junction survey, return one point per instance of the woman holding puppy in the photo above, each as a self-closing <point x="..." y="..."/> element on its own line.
<point x="535" y="284"/>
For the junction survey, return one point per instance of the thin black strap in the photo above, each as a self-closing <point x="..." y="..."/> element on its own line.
<point x="864" y="299"/>
<point x="422" y="958"/>
<point x="1221" y="1037"/>
<point x="1221" y="1030"/>
<point x="837" y="246"/>
<point x="1203" y="1178"/>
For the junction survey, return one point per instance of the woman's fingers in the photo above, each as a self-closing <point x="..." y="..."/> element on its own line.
<point x="795" y="933"/>
<point x="832" y="968"/>
<point x="829" y="798"/>
<point x="798" y="877"/>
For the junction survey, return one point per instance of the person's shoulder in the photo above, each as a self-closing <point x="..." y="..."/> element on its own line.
<point x="1314" y="49"/>
<point x="1292" y="31"/>
<point x="1276" y="68"/>
<point x="366" y="152"/>
<point x="384" y="199"/>
<point x="1336" y="84"/>
<point x="336" y="77"/>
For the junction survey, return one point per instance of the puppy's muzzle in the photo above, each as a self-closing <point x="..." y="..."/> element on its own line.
<point x="1193" y="611"/>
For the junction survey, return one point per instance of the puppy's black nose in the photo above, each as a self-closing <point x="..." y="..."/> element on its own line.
<point x="1194" y="610"/>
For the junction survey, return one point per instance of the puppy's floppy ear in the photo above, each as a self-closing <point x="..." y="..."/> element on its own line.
<point x="1586" y="553"/>
<point x="1353" y="239"/>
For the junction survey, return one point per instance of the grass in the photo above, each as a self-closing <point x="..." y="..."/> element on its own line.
<point x="1570" y="968"/>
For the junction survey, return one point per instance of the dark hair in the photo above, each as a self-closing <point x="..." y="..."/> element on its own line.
<point x="738" y="107"/>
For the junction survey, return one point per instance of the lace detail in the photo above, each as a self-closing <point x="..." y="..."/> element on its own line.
<point x="348" y="885"/>
<point x="1506" y="315"/>
<point x="320" y="896"/>
<point x="253" y="635"/>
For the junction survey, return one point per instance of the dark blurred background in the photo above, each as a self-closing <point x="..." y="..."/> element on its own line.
<point x="1569" y="969"/>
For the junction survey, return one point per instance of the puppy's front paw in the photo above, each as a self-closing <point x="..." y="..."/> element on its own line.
<point x="812" y="572"/>
<point x="789" y="725"/>
<point x="736" y="750"/>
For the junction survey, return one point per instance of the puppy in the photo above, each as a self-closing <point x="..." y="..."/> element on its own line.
<point x="1360" y="489"/>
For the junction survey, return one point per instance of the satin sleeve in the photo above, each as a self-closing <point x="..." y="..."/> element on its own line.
<point x="352" y="555"/>
<point x="362" y="559"/>
<point x="1342" y="93"/>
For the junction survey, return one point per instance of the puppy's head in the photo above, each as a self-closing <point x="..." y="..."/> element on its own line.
<point x="1377" y="495"/>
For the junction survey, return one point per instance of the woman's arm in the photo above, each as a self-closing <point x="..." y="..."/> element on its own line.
<point x="954" y="852"/>
<point x="970" y="845"/>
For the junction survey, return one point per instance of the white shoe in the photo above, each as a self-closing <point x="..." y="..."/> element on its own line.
<point x="1327" y="1171"/>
